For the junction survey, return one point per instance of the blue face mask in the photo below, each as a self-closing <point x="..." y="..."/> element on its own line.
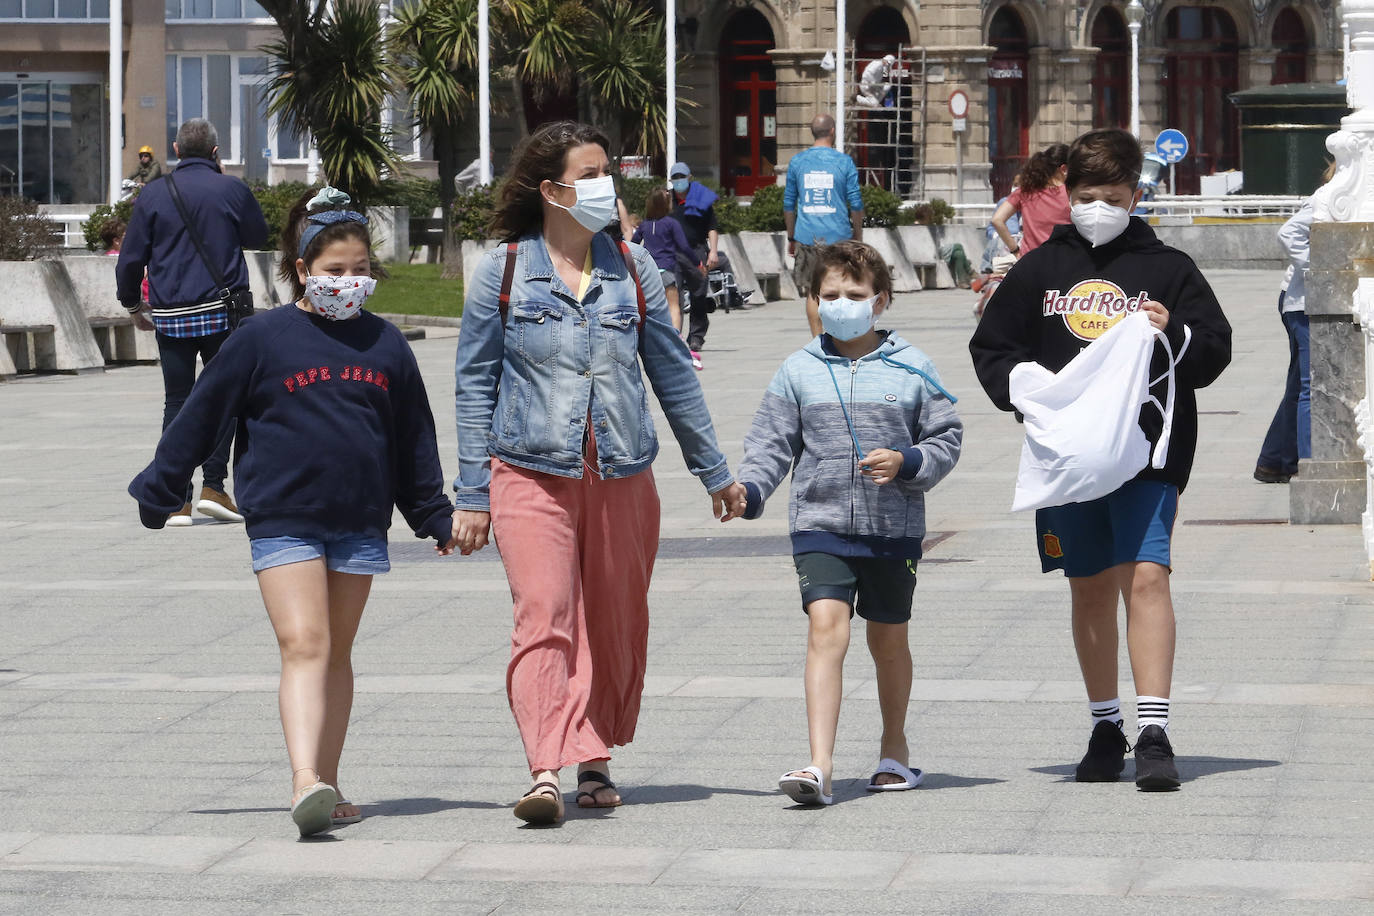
<point x="595" y="201"/>
<point x="845" y="319"/>
<point x="680" y="184"/>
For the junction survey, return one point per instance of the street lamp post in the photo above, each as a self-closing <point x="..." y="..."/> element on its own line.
<point x="670" y="127"/>
<point x="1135" y="15"/>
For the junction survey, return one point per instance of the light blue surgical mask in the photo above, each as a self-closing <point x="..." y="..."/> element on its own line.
<point x="846" y="319"/>
<point x="595" y="201"/>
<point x="680" y="184"/>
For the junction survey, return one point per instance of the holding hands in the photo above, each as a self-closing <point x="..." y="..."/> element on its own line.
<point x="729" y="502"/>
<point x="471" y="532"/>
<point x="881" y="465"/>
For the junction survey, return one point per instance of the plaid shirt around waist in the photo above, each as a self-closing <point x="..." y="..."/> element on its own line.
<point x="199" y="320"/>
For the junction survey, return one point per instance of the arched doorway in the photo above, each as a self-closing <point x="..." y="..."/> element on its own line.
<point x="1200" y="71"/>
<point x="1111" y="71"/>
<point x="1008" y="99"/>
<point x="748" y="104"/>
<point x="1290" y="42"/>
<point x="882" y="145"/>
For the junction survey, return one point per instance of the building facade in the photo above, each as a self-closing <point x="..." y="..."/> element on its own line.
<point x="1035" y="72"/>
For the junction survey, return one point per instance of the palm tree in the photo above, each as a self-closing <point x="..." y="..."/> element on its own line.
<point x="331" y="78"/>
<point x="624" y="76"/>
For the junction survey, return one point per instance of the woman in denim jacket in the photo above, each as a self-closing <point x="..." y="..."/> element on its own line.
<point x="555" y="442"/>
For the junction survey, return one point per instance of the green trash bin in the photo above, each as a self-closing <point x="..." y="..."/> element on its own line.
<point x="1283" y="131"/>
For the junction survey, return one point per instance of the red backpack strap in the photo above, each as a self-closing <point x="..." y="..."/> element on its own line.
<point x="639" y="290"/>
<point x="503" y="301"/>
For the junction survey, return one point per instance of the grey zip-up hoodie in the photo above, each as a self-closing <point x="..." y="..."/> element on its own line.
<point x="894" y="399"/>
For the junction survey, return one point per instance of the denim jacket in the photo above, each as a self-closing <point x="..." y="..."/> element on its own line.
<point x="524" y="395"/>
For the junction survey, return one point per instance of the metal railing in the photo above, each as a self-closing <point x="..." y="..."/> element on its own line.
<point x="1175" y="209"/>
<point x="68" y="218"/>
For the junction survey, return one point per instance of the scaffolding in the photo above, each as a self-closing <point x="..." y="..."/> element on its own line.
<point x="886" y="130"/>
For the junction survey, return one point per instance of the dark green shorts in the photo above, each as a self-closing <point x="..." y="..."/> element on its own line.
<point x="879" y="588"/>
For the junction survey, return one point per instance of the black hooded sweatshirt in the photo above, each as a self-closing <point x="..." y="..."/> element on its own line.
<point x="1065" y="294"/>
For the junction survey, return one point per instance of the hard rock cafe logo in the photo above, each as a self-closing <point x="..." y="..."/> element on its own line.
<point x="1092" y="307"/>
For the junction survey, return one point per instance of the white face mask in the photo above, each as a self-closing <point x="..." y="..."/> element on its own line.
<point x="846" y="319"/>
<point x="338" y="298"/>
<point x="595" y="201"/>
<point x="1099" y="222"/>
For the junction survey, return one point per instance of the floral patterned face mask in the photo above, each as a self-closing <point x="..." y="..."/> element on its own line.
<point x="338" y="298"/>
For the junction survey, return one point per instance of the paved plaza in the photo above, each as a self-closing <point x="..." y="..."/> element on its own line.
<point x="143" y="771"/>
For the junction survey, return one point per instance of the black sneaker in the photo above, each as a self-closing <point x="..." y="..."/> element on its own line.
<point x="1106" y="756"/>
<point x="1154" y="761"/>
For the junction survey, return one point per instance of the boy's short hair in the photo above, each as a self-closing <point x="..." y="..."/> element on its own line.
<point x="854" y="260"/>
<point x="1109" y="155"/>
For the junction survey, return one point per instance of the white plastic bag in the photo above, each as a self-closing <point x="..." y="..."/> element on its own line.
<point x="1083" y="436"/>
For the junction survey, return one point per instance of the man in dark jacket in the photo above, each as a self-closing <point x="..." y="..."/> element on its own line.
<point x="186" y="304"/>
<point x="694" y="207"/>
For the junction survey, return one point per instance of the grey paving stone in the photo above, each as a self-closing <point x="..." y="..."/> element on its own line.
<point x="785" y="868"/>
<point x="330" y="856"/>
<point x="561" y="864"/>
<point x="106" y="852"/>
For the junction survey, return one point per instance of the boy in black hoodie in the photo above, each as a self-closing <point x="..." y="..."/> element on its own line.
<point x="1058" y="299"/>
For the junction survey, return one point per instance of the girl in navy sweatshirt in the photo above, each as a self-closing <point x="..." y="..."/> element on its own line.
<point x="334" y="428"/>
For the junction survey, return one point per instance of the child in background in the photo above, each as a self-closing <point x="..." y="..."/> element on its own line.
<point x="334" y="428"/>
<point x="112" y="235"/>
<point x="861" y="420"/>
<point x="663" y="238"/>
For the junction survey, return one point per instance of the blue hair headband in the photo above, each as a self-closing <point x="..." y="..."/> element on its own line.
<point x="316" y="222"/>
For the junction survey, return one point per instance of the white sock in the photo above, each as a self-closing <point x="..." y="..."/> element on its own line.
<point x="1106" y="711"/>
<point x="1151" y="711"/>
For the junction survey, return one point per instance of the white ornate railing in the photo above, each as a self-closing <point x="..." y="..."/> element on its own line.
<point x="1363" y="310"/>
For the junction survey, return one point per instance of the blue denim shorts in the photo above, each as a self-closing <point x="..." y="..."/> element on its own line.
<point x="1131" y="525"/>
<point x="354" y="554"/>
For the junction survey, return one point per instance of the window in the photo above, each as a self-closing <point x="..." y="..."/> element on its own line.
<point x="55" y="9"/>
<point x="1290" y="41"/>
<point x="212" y="9"/>
<point x="1201" y="71"/>
<point x="230" y="90"/>
<point x="1111" y="83"/>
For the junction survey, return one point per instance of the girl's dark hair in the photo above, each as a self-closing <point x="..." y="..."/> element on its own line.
<point x="111" y="231"/>
<point x="1041" y="168"/>
<point x="1109" y="155"/>
<point x="543" y="155"/>
<point x="657" y="204"/>
<point x="291" y="242"/>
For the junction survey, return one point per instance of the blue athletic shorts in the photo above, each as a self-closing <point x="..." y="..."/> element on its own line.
<point x="1132" y="524"/>
<point x="354" y="554"/>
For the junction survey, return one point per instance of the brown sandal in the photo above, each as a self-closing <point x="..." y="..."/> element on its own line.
<point x="539" y="806"/>
<point x="603" y="782"/>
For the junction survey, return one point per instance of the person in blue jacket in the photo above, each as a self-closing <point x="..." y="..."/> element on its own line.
<point x="334" y="429"/>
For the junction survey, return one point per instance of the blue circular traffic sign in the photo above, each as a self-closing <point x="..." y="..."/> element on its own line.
<point x="1172" y="145"/>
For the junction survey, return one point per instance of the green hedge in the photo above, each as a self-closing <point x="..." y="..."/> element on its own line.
<point x="91" y="228"/>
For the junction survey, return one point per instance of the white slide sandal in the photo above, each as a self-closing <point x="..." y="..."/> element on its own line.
<point x="910" y="778"/>
<point x="806" y="790"/>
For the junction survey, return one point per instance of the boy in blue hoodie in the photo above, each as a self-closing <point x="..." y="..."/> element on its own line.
<point x="861" y="420"/>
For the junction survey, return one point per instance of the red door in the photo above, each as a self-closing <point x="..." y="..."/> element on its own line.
<point x="1201" y="70"/>
<point x="749" y="105"/>
<point x="1008" y="99"/>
